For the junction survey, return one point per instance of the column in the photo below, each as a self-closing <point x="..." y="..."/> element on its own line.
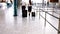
<point x="15" y="7"/>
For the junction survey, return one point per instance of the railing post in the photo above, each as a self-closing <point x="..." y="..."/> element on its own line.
<point x="45" y="20"/>
<point x="15" y="7"/>
<point x="59" y="26"/>
<point x="39" y="13"/>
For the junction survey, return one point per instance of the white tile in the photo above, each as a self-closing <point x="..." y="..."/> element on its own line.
<point x="18" y="25"/>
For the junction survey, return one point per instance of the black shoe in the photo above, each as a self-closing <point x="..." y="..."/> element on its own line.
<point x="29" y="14"/>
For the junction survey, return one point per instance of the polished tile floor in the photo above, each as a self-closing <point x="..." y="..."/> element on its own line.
<point x="30" y="25"/>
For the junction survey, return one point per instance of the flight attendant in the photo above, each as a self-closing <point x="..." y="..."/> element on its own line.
<point x="29" y="7"/>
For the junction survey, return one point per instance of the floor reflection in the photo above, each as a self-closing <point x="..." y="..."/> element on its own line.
<point x="29" y="25"/>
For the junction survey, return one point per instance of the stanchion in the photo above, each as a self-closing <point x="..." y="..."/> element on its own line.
<point x="59" y="26"/>
<point x="39" y="14"/>
<point x="15" y="7"/>
<point x="45" y="20"/>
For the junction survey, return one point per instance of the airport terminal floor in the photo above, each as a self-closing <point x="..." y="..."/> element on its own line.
<point x="43" y="22"/>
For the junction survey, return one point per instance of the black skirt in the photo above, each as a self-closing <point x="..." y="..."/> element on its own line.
<point x="29" y="8"/>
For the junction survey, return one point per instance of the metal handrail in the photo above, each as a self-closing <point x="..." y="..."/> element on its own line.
<point x="47" y="20"/>
<point x="49" y="13"/>
<point x="50" y="23"/>
<point x="52" y="15"/>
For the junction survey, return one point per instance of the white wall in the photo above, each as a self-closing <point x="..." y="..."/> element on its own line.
<point x="34" y="1"/>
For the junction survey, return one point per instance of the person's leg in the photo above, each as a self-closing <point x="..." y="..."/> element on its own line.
<point x="29" y="13"/>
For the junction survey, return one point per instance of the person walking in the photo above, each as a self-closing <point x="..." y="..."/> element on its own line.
<point x="29" y="7"/>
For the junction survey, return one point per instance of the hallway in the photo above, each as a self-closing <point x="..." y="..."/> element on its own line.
<point x="29" y="25"/>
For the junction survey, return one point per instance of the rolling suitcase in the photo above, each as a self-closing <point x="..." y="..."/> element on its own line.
<point x="23" y="7"/>
<point x="24" y="13"/>
<point x="33" y="14"/>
